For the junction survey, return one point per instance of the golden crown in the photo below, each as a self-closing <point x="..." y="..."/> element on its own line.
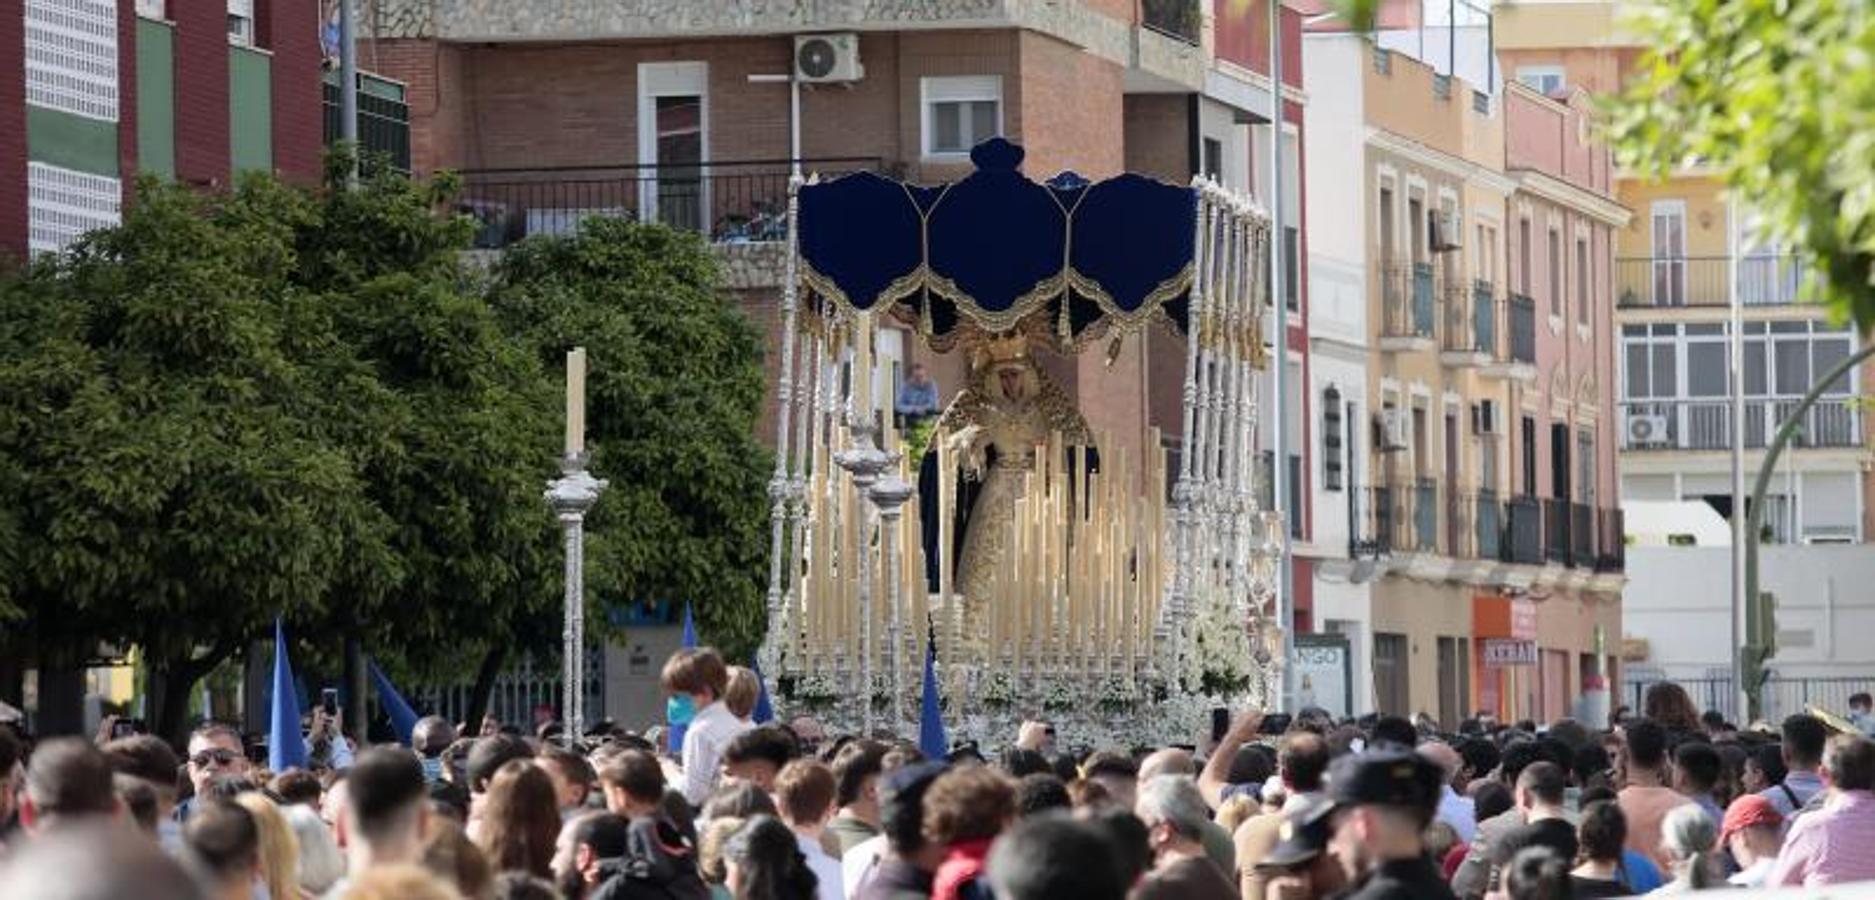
<point x="1001" y="349"/>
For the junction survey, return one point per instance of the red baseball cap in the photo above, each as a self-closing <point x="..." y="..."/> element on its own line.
<point x="1748" y="811"/>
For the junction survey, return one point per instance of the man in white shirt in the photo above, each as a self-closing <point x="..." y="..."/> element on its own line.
<point x="804" y="792"/>
<point x="1753" y="831"/>
<point x="1455" y="809"/>
<point x="695" y="678"/>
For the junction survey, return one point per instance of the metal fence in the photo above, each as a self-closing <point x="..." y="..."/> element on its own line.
<point x="1782" y="696"/>
<point x="1670" y="281"/>
<point x="730" y="201"/>
<point x="1707" y="424"/>
<point x="517" y="691"/>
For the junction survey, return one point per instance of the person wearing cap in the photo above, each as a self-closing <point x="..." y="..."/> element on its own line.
<point x="1384" y="800"/>
<point x="1754" y="831"/>
<point x="1299" y="866"/>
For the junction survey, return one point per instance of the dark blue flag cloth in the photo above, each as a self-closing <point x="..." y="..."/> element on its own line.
<point x="931" y="740"/>
<point x="690" y="642"/>
<point x="403" y="718"/>
<point x="764" y="710"/>
<point x="286" y="746"/>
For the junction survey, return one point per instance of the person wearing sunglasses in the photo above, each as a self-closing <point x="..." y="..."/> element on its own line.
<point x="214" y="752"/>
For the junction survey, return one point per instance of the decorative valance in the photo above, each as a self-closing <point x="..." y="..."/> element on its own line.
<point x="996" y="251"/>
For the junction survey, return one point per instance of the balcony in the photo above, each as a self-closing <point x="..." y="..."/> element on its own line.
<point x="1470" y="325"/>
<point x="1556" y="523"/>
<point x="1179" y="19"/>
<point x="1489" y="525"/>
<point x="1513" y="340"/>
<point x="1372" y="517"/>
<point x="729" y="202"/>
<point x="1581" y="535"/>
<point x="1611" y="541"/>
<point x="1525" y="516"/>
<point x="1406" y="307"/>
<point x="1703" y="281"/>
<point x="1646" y="425"/>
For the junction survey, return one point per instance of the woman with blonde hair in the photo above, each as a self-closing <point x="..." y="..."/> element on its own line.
<point x="279" y="848"/>
<point x="521" y="821"/>
<point x="320" y="864"/>
<point x="743" y="692"/>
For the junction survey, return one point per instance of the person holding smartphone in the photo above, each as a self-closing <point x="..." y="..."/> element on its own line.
<point x="326" y="746"/>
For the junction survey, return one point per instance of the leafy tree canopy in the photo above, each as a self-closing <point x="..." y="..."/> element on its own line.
<point x="287" y="401"/>
<point x="674" y="395"/>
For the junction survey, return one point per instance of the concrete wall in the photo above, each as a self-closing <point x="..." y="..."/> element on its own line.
<point x="1678" y="599"/>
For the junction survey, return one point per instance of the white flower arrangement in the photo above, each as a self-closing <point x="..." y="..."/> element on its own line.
<point x="1218" y="660"/>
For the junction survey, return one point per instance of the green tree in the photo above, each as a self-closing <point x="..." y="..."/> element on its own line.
<point x="1778" y="98"/>
<point x="169" y="488"/>
<point x="675" y="392"/>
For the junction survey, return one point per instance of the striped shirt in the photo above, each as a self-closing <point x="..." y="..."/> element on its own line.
<point x="1829" y="846"/>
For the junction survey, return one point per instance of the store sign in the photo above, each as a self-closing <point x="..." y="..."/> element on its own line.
<point x="1322" y="671"/>
<point x="1509" y="652"/>
<point x="1523" y="619"/>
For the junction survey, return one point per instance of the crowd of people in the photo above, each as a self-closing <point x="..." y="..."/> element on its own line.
<point x="1379" y="807"/>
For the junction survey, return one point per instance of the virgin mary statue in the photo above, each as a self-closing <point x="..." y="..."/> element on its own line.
<point x="991" y="432"/>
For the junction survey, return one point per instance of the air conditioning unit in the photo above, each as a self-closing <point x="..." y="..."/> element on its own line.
<point x="1485" y="419"/>
<point x="241" y="22"/>
<point x="1646" y="430"/>
<point x="1392" y="424"/>
<point x="827" y="57"/>
<point x="153" y="9"/>
<point x="1445" y="231"/>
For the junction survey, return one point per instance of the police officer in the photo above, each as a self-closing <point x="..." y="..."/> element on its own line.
<point x="1299" y="867"/>
<point x="1384" y="799"/>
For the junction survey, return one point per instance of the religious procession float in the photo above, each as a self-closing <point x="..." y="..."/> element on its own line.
<point x="1044" y="571"/>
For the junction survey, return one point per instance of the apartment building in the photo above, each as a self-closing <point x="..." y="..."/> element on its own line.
<point x="94" y="93"/>
<point x="694" y="114"/>
<point x="1461" y="376"/>
<point x="1687" y="256"/>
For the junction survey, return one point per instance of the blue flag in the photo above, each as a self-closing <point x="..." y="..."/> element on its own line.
<point x="286" y="746"/>
<point x="403" y="718"/>
<point x="690" y="643"/>
<point x="764" y="710"/>
<point x="931" y="740"/>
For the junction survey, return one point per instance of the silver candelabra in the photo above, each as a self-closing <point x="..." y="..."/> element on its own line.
<point x="570" y="496"/>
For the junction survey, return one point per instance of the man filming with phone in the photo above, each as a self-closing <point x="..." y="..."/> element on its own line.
<point x="1301" y="758"/>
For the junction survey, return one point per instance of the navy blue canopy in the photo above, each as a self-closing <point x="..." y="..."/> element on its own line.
<point x="997" y="251"/>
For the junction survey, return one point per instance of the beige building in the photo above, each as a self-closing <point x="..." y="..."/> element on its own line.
<point x="1483" y="560"/>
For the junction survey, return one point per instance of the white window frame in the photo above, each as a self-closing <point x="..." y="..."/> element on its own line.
<point x="669" y="79"/>
<point x="244" y="10"/>
<point x="937" y="89"/>
<point x="1526" y="75"/>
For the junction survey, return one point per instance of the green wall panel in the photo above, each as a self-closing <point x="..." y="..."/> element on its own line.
<point x="156" y="97"/>
<point x="72" y="142"/>
<point x="250" y="109"/>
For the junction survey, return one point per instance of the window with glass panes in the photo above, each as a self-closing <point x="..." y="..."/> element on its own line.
<point x="961" y="112"/>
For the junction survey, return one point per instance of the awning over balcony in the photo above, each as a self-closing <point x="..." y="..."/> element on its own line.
<point x="996" y="251"/>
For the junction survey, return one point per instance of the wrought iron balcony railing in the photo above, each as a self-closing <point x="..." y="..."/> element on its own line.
<point x="729" y="202"/>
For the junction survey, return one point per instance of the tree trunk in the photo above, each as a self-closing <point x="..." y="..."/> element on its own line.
<point x="484" y="685"/>
<point x="169" y="705"/>
<point x="61" y="698"/>
<point x="171" y="681"/>
<point x="355" y="718"/>
<point x="12" y="678"/>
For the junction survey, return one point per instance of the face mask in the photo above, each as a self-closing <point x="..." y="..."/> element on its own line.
<point x="679" y="709"/>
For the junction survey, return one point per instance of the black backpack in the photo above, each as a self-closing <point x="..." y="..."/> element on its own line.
<point x="659" y="864"/>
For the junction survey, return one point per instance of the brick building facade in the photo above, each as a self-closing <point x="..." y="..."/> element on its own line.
<point x="94" y="93"/>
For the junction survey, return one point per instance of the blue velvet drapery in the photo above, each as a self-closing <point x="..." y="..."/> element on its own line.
<point x="995" y="249"/>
